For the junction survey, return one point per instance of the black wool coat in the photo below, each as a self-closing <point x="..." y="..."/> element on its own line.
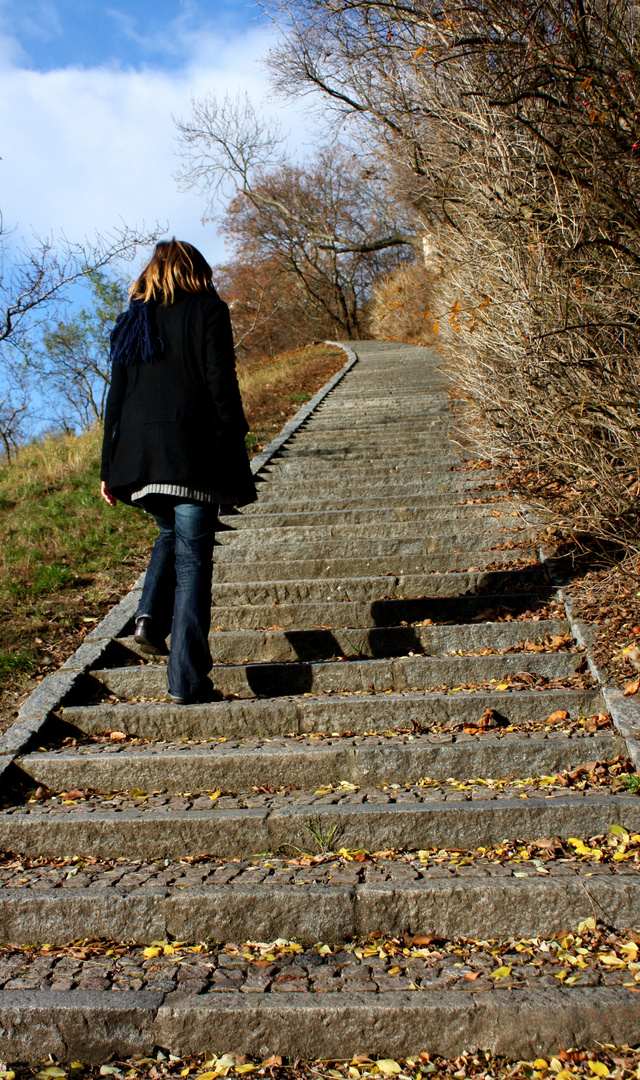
<point x="178" y="419"/>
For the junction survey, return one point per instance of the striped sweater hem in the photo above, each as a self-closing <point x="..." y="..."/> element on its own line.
<point x="178" y="491"/>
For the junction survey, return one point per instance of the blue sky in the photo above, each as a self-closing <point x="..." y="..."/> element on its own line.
<point x="89" y="33"/>
<point x="88" y="95"/>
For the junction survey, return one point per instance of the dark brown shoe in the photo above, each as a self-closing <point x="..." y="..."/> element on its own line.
<point x="148" y="637"/>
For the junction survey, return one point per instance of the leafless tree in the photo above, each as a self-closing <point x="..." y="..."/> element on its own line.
<point x="513" y="129"/>
<point x="14" y="406"/>
<point x="73" y="362"/>
<point x="34" y="282"/>
<point x="326" y="222"/>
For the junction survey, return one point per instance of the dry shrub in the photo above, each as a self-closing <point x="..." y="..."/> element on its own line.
<point x="401" y="306"/>
<point x="512" y="127"/>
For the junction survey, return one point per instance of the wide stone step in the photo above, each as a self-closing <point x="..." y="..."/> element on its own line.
<point x="283" y="470"/>
<point x="275" y="646"/>
<point x="389" y="478"/>
<point x="217" y="901"/>
<point x="98" y="1026"/>
<point x="365" y="548"/>
<point x="468" y="598"/>
<point x="351" y="676"/>
<point x="371" y="761"/>
<point x="388" y="503"/>
<point x="337" y="489"/>
<point x="470" y="528"/>
<point x="376" y="566"/>
<point x="383" y="515"/>
<point x="291" y="822"/>
<point x="417" y="453"/>
<point x="355" y="714"/>
<point x="367" y="590"/>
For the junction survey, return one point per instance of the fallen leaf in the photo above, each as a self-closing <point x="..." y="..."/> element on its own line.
<point x="275" y="1060"/>
<point x="388" y="1067"/>
<point x="630" y="688"/>
<point x="559" y="714"/>
<point x="500" y="973"/>
<point x="611" y="960"/>
<point x="117" y="736"/>
<point x="150" y="952"/>
<point x="599" y="1068"/>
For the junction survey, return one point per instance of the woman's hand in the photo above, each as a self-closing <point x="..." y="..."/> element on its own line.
<point x="104" y="491"/>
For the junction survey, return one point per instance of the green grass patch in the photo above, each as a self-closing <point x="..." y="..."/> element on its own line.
<point x="15" y="663"/>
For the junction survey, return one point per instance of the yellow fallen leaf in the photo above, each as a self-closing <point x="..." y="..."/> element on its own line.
<point x="564" y="1074"/>
<point x="631" y="948"/>
<point x="215" y="795"/>
<point x="611" y="960"/>
<point x="502" y="686"/>
<point x="561" y="975"/>
<point x="325" y="950"/>
<point x="242" y="1069"/>
<point x="540" y="1063"/>
<point x="599" y="1068"/>
<point x="556" y="1065"/>
<point x="500" y="973"/>
<point x="388" y="1067"/>
<point x="617" y="830"/>
<point x="151" y="952"/>
<point x="587" y="924"/>
<point x="185" y="1072"/>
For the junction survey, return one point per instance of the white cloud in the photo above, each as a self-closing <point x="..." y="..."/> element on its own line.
<point x="83" y="148"/>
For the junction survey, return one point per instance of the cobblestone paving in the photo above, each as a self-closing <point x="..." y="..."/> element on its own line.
<point x="355" y="868"/>
<point x="588" y="958"/>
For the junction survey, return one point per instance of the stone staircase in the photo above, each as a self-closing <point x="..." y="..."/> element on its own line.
<point x="397" y="680"/>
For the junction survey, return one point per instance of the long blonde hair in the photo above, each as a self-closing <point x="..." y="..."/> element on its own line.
<point x="174" y="265"/>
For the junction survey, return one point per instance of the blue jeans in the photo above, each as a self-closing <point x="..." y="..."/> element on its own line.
<point x="177" y="588"/>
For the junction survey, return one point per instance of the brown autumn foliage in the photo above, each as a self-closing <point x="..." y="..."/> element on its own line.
<point x="401" y="306"/>
<point x="269" y="309"/>
<point x="512" y="129"/>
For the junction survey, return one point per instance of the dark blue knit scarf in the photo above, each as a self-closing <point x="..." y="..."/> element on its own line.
<point x="132" y="338"/>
